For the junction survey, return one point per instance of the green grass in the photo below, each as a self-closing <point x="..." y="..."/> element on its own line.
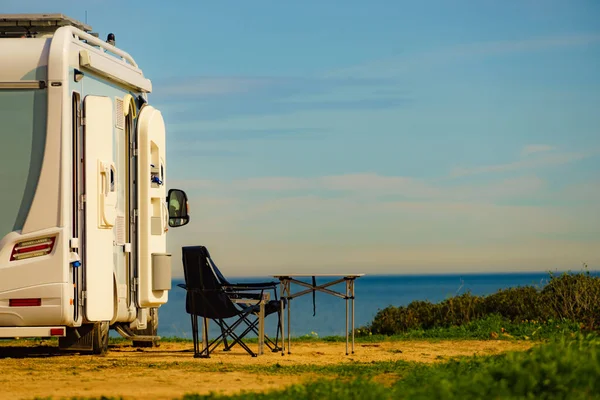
<point x="497" y="327"/>
<point x="355" y="369"/>
<point x="490" y="327"/>
<point x="562" y="369"/>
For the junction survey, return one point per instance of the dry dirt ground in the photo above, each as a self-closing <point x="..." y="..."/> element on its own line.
<point x="30" y="369"/>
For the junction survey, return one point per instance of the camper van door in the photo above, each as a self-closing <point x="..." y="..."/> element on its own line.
<point x="100" y="208"/>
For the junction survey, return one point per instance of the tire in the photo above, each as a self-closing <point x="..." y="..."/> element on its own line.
<point x="151" y="330"/>
<point x="100" y="335"/>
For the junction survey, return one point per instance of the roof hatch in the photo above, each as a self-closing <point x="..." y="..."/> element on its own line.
<point x="36" y="25"/>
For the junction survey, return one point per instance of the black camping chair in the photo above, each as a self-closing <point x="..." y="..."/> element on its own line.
<point x="251" y="290"/>
<point x="208" y="297"/>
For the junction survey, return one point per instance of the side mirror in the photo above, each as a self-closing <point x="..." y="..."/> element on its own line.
<point x="178" y="208"/>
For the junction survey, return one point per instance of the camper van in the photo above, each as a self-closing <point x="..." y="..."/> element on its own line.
<point x="84" y="206"/>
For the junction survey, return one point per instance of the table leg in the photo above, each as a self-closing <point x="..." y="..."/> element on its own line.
<point x="352" y="293"/>
<point x="346" y="317"/>
<point x="281" y="315"/>
<point x="289" y="322"/>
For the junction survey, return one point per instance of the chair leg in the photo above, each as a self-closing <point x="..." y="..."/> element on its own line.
<point x="227" y="346"/>
<point x="276" y="347"/>
<point x="237" y="339"/>
<point x="205" y="351"/>
<point x="194" y="332"/>
<point x="252" y="326"/>
<point x="226" y="330"/>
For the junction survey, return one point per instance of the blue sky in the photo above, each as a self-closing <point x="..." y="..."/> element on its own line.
<point x="375" y="137"/>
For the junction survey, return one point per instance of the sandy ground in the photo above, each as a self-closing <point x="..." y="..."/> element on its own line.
<point x="31" y="369"/>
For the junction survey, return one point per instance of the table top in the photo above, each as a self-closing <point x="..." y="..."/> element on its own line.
<point x="317" y="275"/>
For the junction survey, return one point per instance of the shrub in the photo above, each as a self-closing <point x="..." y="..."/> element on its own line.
<point x="575" y="297"/>
<point x="516" y="304"/>
<point x="567" y="297"/>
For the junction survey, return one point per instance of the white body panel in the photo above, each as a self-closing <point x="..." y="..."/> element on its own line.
<point x="153" y="213"/>
<point x="100" y="188"/>
<point x="31" y="331"/>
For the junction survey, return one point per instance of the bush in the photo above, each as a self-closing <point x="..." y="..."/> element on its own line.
<point x="516" y="304"/>
<point x="575" y="297"/>
<point x="570" y="297"/>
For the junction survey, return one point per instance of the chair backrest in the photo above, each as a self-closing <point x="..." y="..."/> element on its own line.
<point x="217" y="271"/>
<point x="206" y="297"/>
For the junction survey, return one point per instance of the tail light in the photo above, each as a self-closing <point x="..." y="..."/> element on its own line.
<point x="57" y="332"/>
<point x="24" y="302"/>
<point x="32" y="248"/>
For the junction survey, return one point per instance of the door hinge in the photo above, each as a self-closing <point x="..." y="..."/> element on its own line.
<point x="83" y="297"/>
<point x="133" y="216"/>
<point x="82" y="119"/>
<point x="133" y="150"/>
<point x="81" y="201"/>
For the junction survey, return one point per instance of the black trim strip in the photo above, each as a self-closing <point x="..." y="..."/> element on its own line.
<point x="23" y="85"/>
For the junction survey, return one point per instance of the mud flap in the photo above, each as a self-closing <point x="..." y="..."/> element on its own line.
<point x="88" y="338"/>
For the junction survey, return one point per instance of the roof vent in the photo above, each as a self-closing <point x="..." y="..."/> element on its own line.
<point x="33" y="25"/>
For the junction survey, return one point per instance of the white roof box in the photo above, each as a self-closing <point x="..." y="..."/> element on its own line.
<point x="31" y="25"/>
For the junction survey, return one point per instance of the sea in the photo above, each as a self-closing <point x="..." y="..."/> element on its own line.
<point x="327" y="317"/>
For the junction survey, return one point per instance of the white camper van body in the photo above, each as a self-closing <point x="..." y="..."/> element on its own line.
<point x="83" y="212"/>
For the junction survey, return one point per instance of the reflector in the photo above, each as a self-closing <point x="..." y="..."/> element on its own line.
<point x="57" y="332"/>
<point x="24" y="302"/>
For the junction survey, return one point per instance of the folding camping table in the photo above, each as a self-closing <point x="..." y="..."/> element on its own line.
<point x="288" y="279"/>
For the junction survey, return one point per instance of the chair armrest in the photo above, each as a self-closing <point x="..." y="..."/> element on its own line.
<point x="247" y="288"/>
<point x="254" y="285"/>
<point x="199" y="290"/>
<point x="244" y="295"/>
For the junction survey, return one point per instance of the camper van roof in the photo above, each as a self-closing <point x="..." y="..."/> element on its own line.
<point x="19" y="24"/>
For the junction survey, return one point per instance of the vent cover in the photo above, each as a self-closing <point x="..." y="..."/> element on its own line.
<point x="120" y="231"/>
<point x="120" y="114"/>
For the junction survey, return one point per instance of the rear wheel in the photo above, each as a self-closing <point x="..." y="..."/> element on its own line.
<point x="151" y="330"/>
<point x="89" y="338"/>
<point x="100" y="338"/>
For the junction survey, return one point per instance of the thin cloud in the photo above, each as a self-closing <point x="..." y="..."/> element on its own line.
<point x="218" y="98"/>
<point x="192" y="139"/>
<point x="364" y="183"/>
<point x="543" y="160"/>
<point x="392" y="67"/>
<point x="369" y="186"/>
<point x="535" y="148"/>
<point x="212" y="86"/>
<point x="328" y="229"/>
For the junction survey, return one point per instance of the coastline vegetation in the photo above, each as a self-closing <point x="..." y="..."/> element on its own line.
<point x="567" y="297"/>
<point x="564" y="316"/>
